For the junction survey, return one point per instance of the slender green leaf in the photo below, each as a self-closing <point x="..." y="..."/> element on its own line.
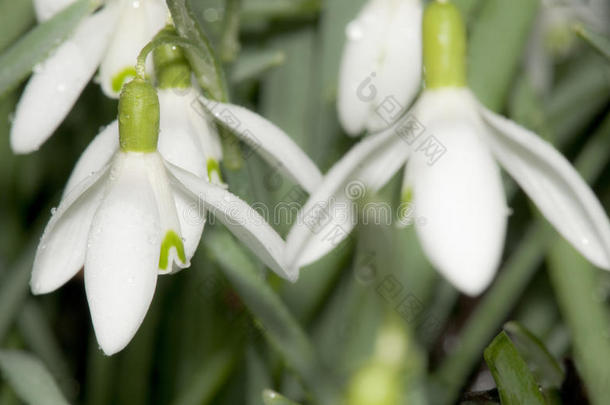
<point x="498" y="38"/>
<point x="599" y="42"/>
<point x="30" y="379"/>
<point x="15" y="18"/>
<point x="19" y="60"/>
<point x="254" y="62"/>
<point x="208" y="379"/>
<point x="271" y="397"/>
<point x="229" y="41"/>
<point x="37" y="333"/>
<point x="544" y="367"/>
<point x="515" y="382"/>
<point x="575" y="281"/>
<point x="277" y="323"/>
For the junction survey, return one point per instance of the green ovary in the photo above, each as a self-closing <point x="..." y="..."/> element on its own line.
<point x="171" y="240"/>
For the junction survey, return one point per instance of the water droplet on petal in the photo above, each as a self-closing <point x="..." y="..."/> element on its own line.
<point x="53" y="210"/>
<point x="354" y="31"/>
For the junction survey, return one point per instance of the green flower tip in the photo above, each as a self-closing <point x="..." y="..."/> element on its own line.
<point x="138" y="117"/>
<point x="171" y="240"/>
<point x="123" y="76"/>
<point x="444" y="46"/>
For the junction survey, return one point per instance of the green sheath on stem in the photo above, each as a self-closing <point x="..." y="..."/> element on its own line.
<point x="444" y="46"/>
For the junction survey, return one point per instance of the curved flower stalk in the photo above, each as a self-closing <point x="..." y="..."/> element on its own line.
<point x="126" y="221"/>
<point x="453" y="145"/>
<point x="110" y="39"/>
<point x="553" y="36"/>
<point x="380" y="70"/>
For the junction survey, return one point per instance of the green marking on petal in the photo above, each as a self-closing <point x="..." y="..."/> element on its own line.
<point x="171" y="240"/>
<point x="122" y="77"/>
<point x="213" y="167"/>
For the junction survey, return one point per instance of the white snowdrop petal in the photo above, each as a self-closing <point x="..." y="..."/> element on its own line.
<point x="380" y="70"/>
<point x="459" y="205"/>
<point x="123" y="254"/>
<point x="560" y="193"/>
<point x="192" y="217"/>
<point x="61" y="251"/>
<point x="178" y="142"/>
<point x="242" y="220"/>
<point x="269" y="141"/>
<point x="327" y="217"/>
<point x="46" y="9"/>
<point x="57" y="83"/>
<point x="134" y="30"/>
<point x="173" y="257"/>
<point x="96" y="155"/>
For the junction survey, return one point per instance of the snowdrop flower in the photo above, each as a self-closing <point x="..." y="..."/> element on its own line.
<point x="459" y="191"/>
<point x="381" y="64"/>
<point x="110" y="39"/>
<point x="124" y="220"/>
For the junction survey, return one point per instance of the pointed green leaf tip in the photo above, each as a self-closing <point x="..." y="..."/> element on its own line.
<point x="444" y="46"/>
<point x="138" y="117"/>
<point x="171" y="240"/>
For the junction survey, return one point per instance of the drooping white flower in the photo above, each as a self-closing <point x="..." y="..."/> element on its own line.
<point x="553" y="36"/>
<point x="110" y="39"/>
<point x="451" y="145"/>
<point x="381" y="65"/>
<point x="128" y="214"/>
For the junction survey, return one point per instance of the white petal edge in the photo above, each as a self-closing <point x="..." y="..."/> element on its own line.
<point x="178" y="141"/>
<point x="265" y="138"/>
<point x="99" y="153"/>
<point x="61" y="251"/>
<point x="58" y="82"/>
<point x="46" y="9"/>
<point x="241" y="219"/>
<point x="168" y="214"/>
<point x="553" y="184"/>
<point x="123" y="254"/>
<point x="327" y="217"/>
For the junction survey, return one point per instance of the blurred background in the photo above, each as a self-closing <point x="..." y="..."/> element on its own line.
<point x="373" y="322"/>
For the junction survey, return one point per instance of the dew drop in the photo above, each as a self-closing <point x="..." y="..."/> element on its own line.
<point x="354" y="31"/>
<point x="53" y="210"/>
